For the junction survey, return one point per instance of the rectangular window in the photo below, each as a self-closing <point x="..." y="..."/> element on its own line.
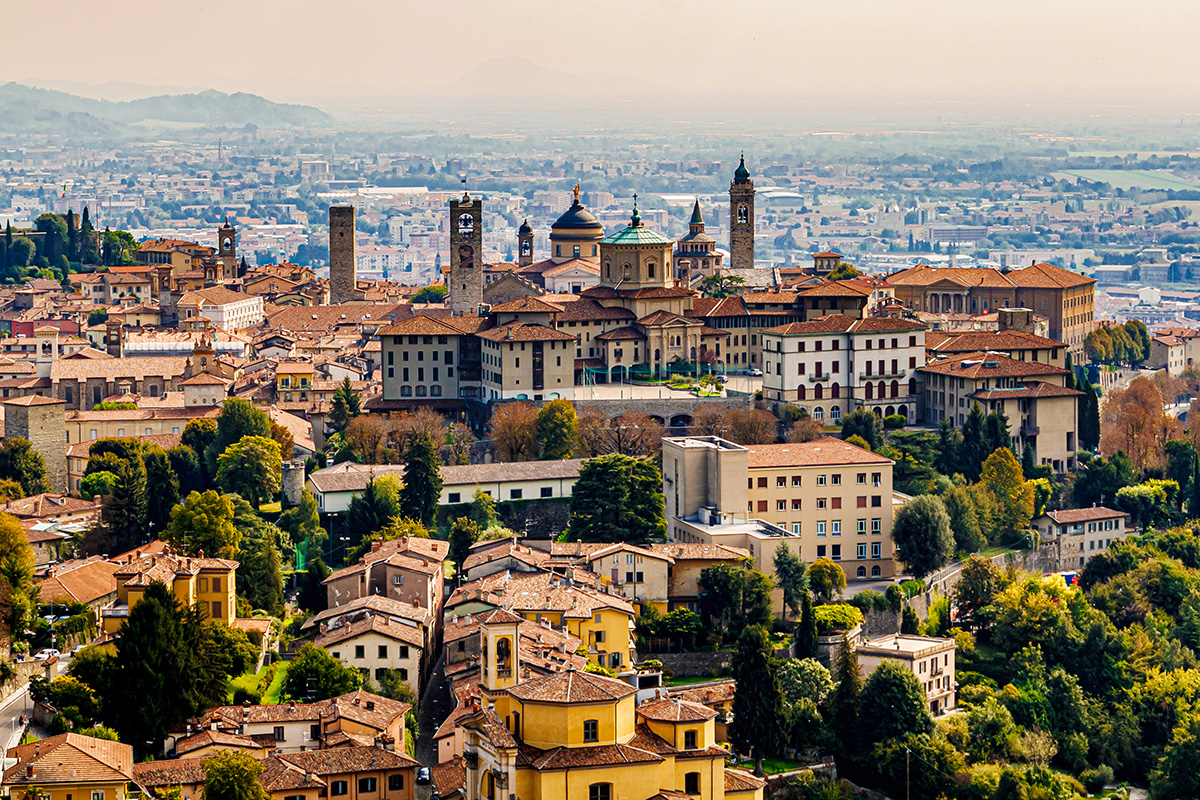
<point x="837" y="527"/>
<point x="396" y="782"/>
<point x="691" y="781"/>
<point x="514" y="494"/>
<point x="820" y="503"/>
<point x="820" y="551"/>
<point x="860" y="527"/>
<point x="876" y="526"/>
<point x="360" y="651"/>
<point x="796" y="505"/>
<point x="404" y="651"/>
<point x="820" y="529"/>
<point x="383" y="651"/>
<point x="781" y="505"/>
<point x="837" y="502"/>
<point x="547" y="491"/>
<point x="876" y="501"/>
<point x="454" y="497"/>
<point x="366" y="785"/>
<point x="591" y="730"/>
<point x="600" y="791"/>
<point x="795" y="480"/>
<point x="820" y="480"/>
<point x="781" y="481"/>
<point x="279" y="733"/>
<point x="689" y="740"/>
<point x="861" y="502"/>
<point x="837" y="480"/>
<point x="762" y="506"/>
<point x="836" y="555"/>
<point x="875" y="548"/>
<point x="762" y="483"/>
<point x="862" y="477"/>
<point x="861" y="550"/>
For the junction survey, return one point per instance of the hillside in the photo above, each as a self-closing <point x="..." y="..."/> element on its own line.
<point x="27" y="110"/>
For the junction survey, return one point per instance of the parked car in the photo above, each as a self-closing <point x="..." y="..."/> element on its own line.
<point x="723" y="379"/>
<point x="47" y="654"/>
<point x="422" y="775"/>
<point x="78" y="649"/>
<point x="755" y="373"/>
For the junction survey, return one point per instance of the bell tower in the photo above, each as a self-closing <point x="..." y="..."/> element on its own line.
<point x="498" y="647"/>
<point x="227" y="250"/>
<point x="741" y="218"/>
<point x="524" y="245"/>
<point x="465" y="281"/>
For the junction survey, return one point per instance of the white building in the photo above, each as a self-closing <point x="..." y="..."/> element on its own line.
<point x="930" y="659"/>
<point x="836" y="364"/>
<point x="225" y="309"/>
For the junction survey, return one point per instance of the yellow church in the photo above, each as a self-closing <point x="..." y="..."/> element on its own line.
<point x="576" y="735"/>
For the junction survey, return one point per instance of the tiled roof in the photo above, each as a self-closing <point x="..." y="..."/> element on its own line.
<point x="1028" y="390"/>
<point x="515" y="471"/>
<point x="820" y="452"/>
<point x="527" y="305"/>
<point x="886" y="324"/>
<point x="684" y="551"/>
<point x="837" y="289"/>
<point x="208" y="737"/>
<point x="373" y="624"/>
<point x="80" y="581"/>
<point x="450" y="776"/>
<point x="171" y="772"/>
<point x="421" y="325"/>
<point x="925" y="275"/>
<point x="341" y="760"/>
<point x="1067" y="516"/>
<point x="41" y="506"/>
<point x="607" y="755"/>
<point x="830" y="323"/>
<point x="648" y="740"/>
<point x="70" y="758"/>
<point x="510" y="549"/>
<point x="675" y="710"/>
<point x="1048" y="276"/>
<point x="371" y="604"/>
<point x="33" y="400"/>
<point x="976" y="341"/>
<point x="989" y="365"/>
<point x="323" y="318"/>
<point x="571" y="686"/>
<point x="627" y="333"/>
<point x="587" y="310"/>
<point x="722" y="692"/>
<point x="525" y="332"/>
<point x="739" y="780"/>
<point x="718" y="307"/>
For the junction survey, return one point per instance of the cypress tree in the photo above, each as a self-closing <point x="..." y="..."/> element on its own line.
<point x="1194" y="506"/>
<point x="1070" y="381"/>
<point x="758" y="704"/>
<point x="971" y="453"/>
<point x="422" y="480"/>
<point x="843" y="706"/>
<point x="1028" y="464"/>
<point x="806" y="631"/>
<point x="72" y="241"/>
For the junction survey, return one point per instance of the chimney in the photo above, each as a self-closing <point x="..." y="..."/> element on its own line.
<point x="416" y="602"/>
<point x="29" y="770"/>
<point x="199" y="554"/>
<point x="375" y="545"/>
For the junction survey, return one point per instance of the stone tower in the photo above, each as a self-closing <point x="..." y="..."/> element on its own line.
<point x="293" y="480"/>
<point x="227" y="250"/>
<point x="41" y="420"/>
<point x="524" y="245"/>
<point x="46" y="338"/>
<point x="343" y="274"/>
<point x="465" y="281"/>
<point x="741" y="218"/>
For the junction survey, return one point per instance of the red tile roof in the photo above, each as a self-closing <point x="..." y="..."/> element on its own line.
<point x="821" y="452"/>
<point x="571" y="686"/>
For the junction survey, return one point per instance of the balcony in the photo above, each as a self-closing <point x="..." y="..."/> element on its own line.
<point x="899" y="373"/>
<point x="820" y="376"/>
<point x="1029" y="429"/>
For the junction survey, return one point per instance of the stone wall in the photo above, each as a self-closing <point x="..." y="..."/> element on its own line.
<point x="666" y="407"/>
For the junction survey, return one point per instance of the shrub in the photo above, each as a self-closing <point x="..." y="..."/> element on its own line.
<point x="836" y="617"/>
<point x="912" y="588"/>
<point x="895" y="597"/>
<point x="1094" y="780"/>
<point x="868" y="601"/>
<point x="895" y="421"/>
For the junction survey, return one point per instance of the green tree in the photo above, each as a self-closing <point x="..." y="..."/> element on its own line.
<point x="312" y="596"/>
<point x="964" y="519"/>
<point x="242" y="653"/>
<point x="949" y="442"/>
<point x="975" y="591"/>
<point x="922" y="535"/>
<point x="758" y="705"/>
<point x="1175" y="776"/>
<point x="344" y="407"/>
<point x="732" y="594"/>
<point x="314" y="675"/>
<point x="260" y="574"/>
<point x="722" y="284"/>
<point x="995" y="432"/>
<point x="122" y="522"/>
<point x="1100" y="480"/>
<point x="557" y="429"/>
<point x="302" y="523"/>
<point x="1089" y="416"/>
<point x="238" y="419"/>
<point x="201" y="435"/>
<point x="20" y="254"/>
<point x="97" y="484"/>
<point x="188" y="470"/>
<point x="232" y="775"/>
<point x="897" y="703"/>
<point x="974" y="445"/>
<point x="483" y="510"/>
<point x="804" y="679"/>
<point x="844" y="702"/>
<point x="826" y="579"/>
<point x="54" y="241"/>
<point x="910" y="623"/>
<point x="21" y="463"/>
<point x="463" y="533"/>
<point x="790" y="576"/>
<point x="371" y="511"/>
<point x="1028" y="463"/>
<point x="203" y="522"/>
<point x="618" y="498"/>
<point x="422" y="480"/>
<point x="1001" y="474"/>
<point x="251" y="467"/>
<point x="430" y="294"/>
<point x="17" y="591"/>
<point x="864" y="424"/>
<point x="1135" y="329"/>
<point x="162" y="489"/>
<point x="806" y="631"/>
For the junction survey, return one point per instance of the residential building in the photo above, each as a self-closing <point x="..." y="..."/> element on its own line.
<point x="1082" y="533"/>
<point x="930" y="659"/>
<point x="352" y="773"/>
<point x="1042" y="412"/>
<point x="87" y="581"/>
<point x="408" y="570"/>
<point x="1167" y="352"/>
<point x="638" y="574"/>
<point x="375" y="645"/>
<point x="821" y="499"/>
<point x="222" y="308"/>
<point x="836" y="364"/>
<point x="207" y="582"/>
<point x="549" y="369"/>
<point x="70" y="765"/>
<point x="577" y="736"/>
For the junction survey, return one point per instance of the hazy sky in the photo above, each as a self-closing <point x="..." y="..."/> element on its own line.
<point x="852" y="48"/>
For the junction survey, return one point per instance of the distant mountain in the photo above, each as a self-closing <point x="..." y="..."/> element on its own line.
<point x="24" y="109"/>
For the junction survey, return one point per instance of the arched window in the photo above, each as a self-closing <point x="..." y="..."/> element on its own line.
<point x="818" y="413"/>
<point x="912" y="386"/>
<point x="835" y="391"/>
<point x="657" y="354"/>
<point x="691" y="783"/>
<point x="818" y="392"/>
<point x="895" y="388"/>
<point x="861" y="572"/>
<point x="800" y="394"/>
<point x="835" y="413"/>
<point x="903" y="411"/>
<point x="875" y="572"/>
<point x="870" y="391"/>
<point x="600" y="791"/>
<point x="743" y="214"/>
<point x="626" y="272"/>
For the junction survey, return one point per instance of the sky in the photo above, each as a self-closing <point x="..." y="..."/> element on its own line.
<point x="374" y="51"/>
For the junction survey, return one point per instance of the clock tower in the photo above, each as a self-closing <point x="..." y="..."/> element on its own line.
<point x="741" y="218"/>
<point x="465" y="280"/>
<point x="227" y="250"/>
<point x="524" y="245"/>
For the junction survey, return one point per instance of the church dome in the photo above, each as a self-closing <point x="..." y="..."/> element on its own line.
<point x="577" y="223"/>
<point x="741" y="173"/>
<point x="525" y="229"/>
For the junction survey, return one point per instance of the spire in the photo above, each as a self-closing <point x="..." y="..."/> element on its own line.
<point x="636" y="220"/>
<point x="697" y="219"/>
<point x="741" y="173"/>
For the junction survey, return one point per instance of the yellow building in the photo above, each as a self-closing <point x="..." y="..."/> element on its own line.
<point x="579" y="736"/>
<point x="640" y="575"/>
<point x="208" y="582"/>
<point x="69" y="766"/>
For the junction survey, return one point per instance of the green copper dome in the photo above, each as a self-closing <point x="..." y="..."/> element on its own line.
<point x="741" y="173"/>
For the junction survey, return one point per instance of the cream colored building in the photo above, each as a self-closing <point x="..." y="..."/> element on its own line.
<point x="640" y="575"/>
<point x="836" y="364"/>
<point x="823" y="499"/>
<point x="1082" y="533"/>
<point x="421" y="359"/>
<point x="930" y="659"/>
<point x="1167" y="352"/>
<point x="1042" y="412"/>
<point x="376" y="644"/>
<point x="527" y="361"/>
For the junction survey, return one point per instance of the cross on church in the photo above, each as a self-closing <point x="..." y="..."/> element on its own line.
<point x="635" y="200"/>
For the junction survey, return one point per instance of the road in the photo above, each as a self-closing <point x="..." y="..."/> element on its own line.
<point x="17" y="705"/>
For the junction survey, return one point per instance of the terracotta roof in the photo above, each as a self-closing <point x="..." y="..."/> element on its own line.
<point x="585" y="309"/>
<point x="1026" y="391"/>
<point x="925" y="275"/>
<point x="989" y="365"/>
<point x="821" y="452"/>
<point x="888" y="324"/>
<point x="33" y="400"/>
<point x="371" y="604"/>
<point x="341" y="760"/>
<point x="718" y="307"/>
<point x="80" y="581"/>
<point x="571" y="686"/>
<point x="171" y="772"/>
<point x="837" y="289"/>
<point x="525" y="332"/>
<point x="421" y="325"/>
<point x="624" y="334"/>
<point x="204" y="379"/>
<point x="1048" y="276"/>
<point x="681" y="551"/>
<point x="323" y="318"/>
<point x="70" y="758"/>
<point x="510" y="549"/>
<point x="209" y="737"/>
<point x="41" y="506"/>
<point x="281" y="776"/>
<point x="609" y="755"/>
<point x="449" y="776"/>
<point x="648" y="740"/>
<point x="830" y="323"/>
<point x="564" y="469"/>
<point x="1067" y="516"/>
<point x="739" y="780"/>
<point x="675" y="710"/>
<point x="529" y="305"/>
<point x="767" y="298"/>
<point x="722" y="692"/>
<point x="373" y="624"/>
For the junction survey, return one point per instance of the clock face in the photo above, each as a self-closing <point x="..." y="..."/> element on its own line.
<point x="466" y="224"/>
<point x="226" y="244"/>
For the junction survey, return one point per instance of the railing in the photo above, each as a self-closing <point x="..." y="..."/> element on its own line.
<point x="891" y="373"/>
<point x="1030" y="430"/>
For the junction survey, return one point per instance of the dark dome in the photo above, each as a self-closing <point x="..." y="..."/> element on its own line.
<point x="577" y="223"/>
<point x="524" y="229"/>
<point x="741" y="173"/>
